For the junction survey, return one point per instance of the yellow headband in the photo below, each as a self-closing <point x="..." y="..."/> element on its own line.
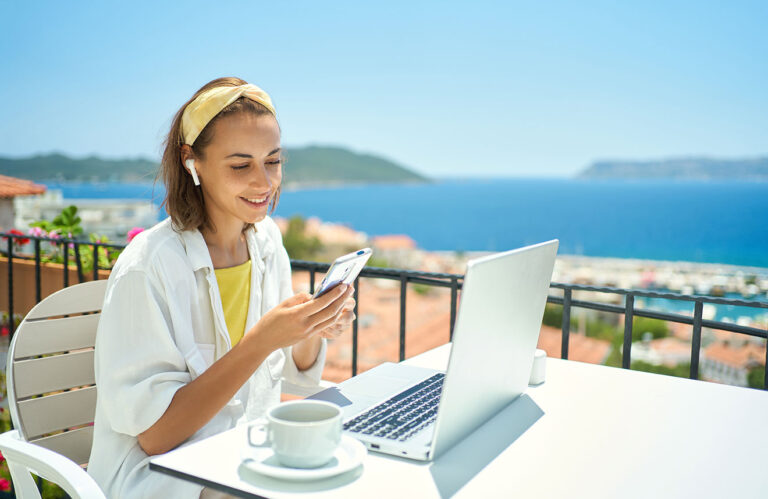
<point x="210" y="103"/>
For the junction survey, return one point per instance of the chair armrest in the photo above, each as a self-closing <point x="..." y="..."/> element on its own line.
<point x="25" y="457"/>
<point x="305" y="391"/>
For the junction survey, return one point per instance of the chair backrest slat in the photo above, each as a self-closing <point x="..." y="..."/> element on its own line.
<point x="42" y="337"/>
<point x="50" y="374"/>
<point x="79" y="299"/>
<point x="43" y="415"/>
<point x="75" y="444"/>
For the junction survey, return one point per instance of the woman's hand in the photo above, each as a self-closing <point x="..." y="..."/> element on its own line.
<point x="344" y="319"/>
<point x="300" y="317"/>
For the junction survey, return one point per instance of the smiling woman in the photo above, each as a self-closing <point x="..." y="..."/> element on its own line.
<point x="200" y="323"/>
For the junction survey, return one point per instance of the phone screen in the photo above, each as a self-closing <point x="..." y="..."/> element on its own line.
<point x="344" y="270"/>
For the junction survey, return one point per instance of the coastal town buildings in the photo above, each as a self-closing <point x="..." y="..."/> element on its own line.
<point x="107" y="217"/>
<point x="726" y="357"/>
<point x="12" y="190"/>
<point x="724" y="362"/>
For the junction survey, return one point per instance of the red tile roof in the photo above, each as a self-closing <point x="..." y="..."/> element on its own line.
<point x="393" y="242"/>
<point x="740" y="357"/>
<point x="11" y="187"/>
<point x="581" y="348"/>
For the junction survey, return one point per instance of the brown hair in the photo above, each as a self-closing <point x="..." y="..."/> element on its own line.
<point x="184" y="200"/>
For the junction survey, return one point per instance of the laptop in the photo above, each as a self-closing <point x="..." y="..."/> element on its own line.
<point x="419" y="413"/>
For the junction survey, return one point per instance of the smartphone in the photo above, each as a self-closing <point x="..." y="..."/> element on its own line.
<point x="345" y="269"/>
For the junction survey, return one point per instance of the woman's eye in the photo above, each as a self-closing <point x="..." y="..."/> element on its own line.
<point x="274" y="162"/>
<point x="240" y="167"/>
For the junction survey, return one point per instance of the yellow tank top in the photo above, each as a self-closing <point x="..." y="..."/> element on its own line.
<point x="235" y="290"/>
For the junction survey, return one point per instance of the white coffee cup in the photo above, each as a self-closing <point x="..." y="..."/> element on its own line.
<point x="302" y="433"/>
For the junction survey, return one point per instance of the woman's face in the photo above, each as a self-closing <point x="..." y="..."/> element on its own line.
<point x="242" y="167"/>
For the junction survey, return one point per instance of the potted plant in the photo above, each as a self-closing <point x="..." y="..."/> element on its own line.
<point x="80" y="260"/>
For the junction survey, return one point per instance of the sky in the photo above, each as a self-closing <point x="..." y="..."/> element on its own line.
<point x="449" y="89"/>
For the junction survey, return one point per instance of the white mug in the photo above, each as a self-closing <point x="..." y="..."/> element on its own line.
<point x="302" y="433"/>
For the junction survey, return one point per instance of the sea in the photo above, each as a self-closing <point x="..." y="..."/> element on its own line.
<point x="724" y="222"/>
<point x="694" y="221"/>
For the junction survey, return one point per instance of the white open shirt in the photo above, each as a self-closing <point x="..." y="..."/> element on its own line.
<point x="162" y="324"/>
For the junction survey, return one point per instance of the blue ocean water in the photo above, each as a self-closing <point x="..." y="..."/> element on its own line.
<point x="716" y="222"/>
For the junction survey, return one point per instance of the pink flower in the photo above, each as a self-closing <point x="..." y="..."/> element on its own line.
<point x="37" y="232"/>
<point x="54" y="234"/>
<point x="5" y="485"/>
<point x="134" y="232"/>
<point x="5" y="331"/>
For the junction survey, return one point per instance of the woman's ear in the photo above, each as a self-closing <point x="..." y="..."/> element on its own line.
<point x="190" y="163"/>
<point x="188" y="160"/>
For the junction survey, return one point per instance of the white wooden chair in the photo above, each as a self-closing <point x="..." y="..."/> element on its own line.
<point x="52" y="392"/>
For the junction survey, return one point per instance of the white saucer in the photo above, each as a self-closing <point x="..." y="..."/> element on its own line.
<point x="349" y="455"/>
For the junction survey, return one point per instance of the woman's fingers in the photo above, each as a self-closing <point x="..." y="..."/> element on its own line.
<point x="349" y="304"/>
<point x="338" y="325"/>
<point x="331" y="310"/>
<point x="315" y="305"/>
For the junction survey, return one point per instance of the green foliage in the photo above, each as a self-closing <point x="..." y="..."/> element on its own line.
<point x="65" y="223"/>
<point x="553" y="315"/>
<point x="421" y="289"/>
<point x="298" y="245"/>
<point x="377" y="261"/>
<point x="642" y="325"/>
<point x="680" y="370"/>
<point x="755" y="377"/>
<point x="602" y="330"/>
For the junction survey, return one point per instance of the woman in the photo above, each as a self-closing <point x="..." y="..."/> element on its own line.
<point x="199" y="322"/>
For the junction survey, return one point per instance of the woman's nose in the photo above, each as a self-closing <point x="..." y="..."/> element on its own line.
<point x="261" y="178"/>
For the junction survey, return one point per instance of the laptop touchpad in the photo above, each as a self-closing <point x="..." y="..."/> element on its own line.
<point x="376" y="386"/>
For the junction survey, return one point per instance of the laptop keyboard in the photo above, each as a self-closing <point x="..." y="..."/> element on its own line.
<point x="404" y="415"/>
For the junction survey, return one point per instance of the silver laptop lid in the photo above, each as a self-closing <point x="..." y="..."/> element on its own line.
<point x="497" y="329"/>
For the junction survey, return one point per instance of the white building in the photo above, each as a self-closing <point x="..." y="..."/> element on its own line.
<point x="106" y="217"/>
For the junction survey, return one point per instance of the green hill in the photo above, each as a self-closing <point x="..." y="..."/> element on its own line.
<point x="325" y="164"/>
<point x="59" y="167"/>
<point x="315" y="165"/>
<point x="681" y="168"/>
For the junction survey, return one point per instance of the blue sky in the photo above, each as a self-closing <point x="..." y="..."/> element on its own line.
<point x="449" y="89"/>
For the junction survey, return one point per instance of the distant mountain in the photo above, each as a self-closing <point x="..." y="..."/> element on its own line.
<point x="681" y="168"/>
<point x="313" y="165"/>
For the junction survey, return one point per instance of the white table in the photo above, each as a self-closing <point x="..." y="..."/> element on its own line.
<point x="588" y="431"/>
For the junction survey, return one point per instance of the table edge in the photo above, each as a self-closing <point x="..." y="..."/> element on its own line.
<point x="201" y="481"/>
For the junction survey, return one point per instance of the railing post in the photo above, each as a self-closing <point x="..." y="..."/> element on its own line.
<point x="354" y="327"/>
<point x="454" y="300"/>
<point x="403" y="291"/>
<point x="765" y="378"/>
<point x="696" y="338"/>
<point x="312" y="281"/>
<point x="629" y="308"/>
<point x="12" y="325"/>
<point x="78" y="263"/>
<point x="66" y="265"/>
<point x="95" y="262"/>
<point x="38" y="287"/>
<point x="566" y="323"/>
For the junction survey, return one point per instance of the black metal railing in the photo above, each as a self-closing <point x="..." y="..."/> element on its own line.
<point x="454" y="282"/>
<point x="629" y="311"/>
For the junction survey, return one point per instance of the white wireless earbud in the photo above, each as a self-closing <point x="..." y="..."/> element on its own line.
<point x="191" y="165"/>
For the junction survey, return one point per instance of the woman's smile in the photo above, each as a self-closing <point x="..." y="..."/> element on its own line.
<point x="258" y="201"/>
